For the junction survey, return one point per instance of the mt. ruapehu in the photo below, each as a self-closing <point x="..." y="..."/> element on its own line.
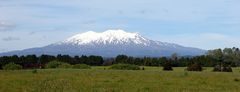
<point x="110" y="44"/>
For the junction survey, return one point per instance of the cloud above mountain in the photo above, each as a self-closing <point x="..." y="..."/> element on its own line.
<point x="10" y="38"/>
<point x="5" y="26"/>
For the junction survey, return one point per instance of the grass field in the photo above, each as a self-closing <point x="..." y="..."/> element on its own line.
<point x="152" y="79"/>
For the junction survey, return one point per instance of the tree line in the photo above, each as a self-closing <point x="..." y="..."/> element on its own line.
<point x="32" y="61"/>
<point x="220" y="57"/>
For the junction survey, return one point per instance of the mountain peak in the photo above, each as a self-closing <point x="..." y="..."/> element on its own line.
<point x="109" y="36"/>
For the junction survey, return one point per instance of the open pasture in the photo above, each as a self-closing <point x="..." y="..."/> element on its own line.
<point x="100" y="79"/>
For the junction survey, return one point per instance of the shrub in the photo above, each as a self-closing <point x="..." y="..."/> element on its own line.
<point x="12" y="66"/>
<point x="227" y="69"/>
<point x="167" y="66"/>
<point x="65" y="65"/>
<point x="124" y="67"/>
<point x="219" y="68"/>
<point x="53" y="64"/>
<point x="236" y="79"/>
<point x="81" y="66"/>
<point x="194" y="67"/>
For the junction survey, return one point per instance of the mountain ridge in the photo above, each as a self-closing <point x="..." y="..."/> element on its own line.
<point x="109" y="44"/>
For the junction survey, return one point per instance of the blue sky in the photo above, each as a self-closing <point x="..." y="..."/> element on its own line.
<point x="204" y="24"/>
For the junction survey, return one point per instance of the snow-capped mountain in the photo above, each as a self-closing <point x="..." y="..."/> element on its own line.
<point x="110" y="44"/>
<point x="107" y="37"/>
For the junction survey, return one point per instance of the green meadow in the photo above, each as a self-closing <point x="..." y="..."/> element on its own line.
<point x="100" y="79"/>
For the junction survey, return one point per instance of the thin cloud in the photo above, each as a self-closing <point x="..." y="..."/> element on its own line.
<point x="10" y="38"/>
<point x="203" y="40"/>
<point x="4" y="26"/>
<point x="89" y="22"/>
<point x="143" y="11"/>
<point x="32" y="33"/>
<point x="3" y="50"/>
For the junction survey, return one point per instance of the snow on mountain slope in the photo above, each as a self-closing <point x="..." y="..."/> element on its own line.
<point x="107" y="37"/>
<point x="112" y="37"/>
<point x="110" y="44"/>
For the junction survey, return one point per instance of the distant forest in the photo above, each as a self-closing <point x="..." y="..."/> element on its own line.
<point x="227" y="57"/>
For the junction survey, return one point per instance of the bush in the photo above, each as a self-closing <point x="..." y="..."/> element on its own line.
<point x="236" y="79"/>
<point x="219" y="68"/>
<point x="194" y="67"/>
<point x="227" y="69"/>
<point x="124" y="67"/>
<point x="81" y="66"/>
<point x="53" y="64"/>
<point x="12" y="66"/>
<point x="65" y="65"/>
<point x="167" y="66"/>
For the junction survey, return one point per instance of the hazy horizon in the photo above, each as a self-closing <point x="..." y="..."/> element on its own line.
<point x="202" y="24"/>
